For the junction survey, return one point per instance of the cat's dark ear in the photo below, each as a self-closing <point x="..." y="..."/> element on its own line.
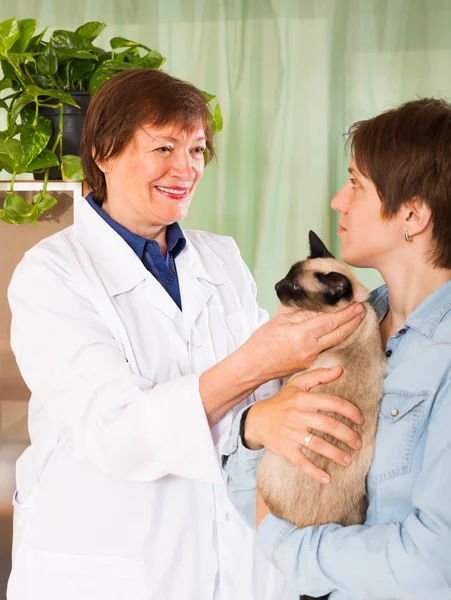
<point x="317" y="248"/>
<point x="336" y="287"/>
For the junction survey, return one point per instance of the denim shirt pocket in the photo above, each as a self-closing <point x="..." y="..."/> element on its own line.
<point x="400" y="418"/>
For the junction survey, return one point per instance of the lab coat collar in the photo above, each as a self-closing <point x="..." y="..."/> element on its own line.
<point x="199" y="271"/>
<point x="119" y="267"/>
<point x="198" y="268"/>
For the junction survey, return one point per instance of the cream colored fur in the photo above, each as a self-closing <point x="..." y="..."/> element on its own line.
<point x="289" y="493"/>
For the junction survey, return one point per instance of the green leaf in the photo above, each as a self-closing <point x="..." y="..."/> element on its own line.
<point x="44" y="201"/>
<point x="35" y="92"/>
<point x="98" y="51"/>
<point x="217" y="119"/>
<point x="8" y="70"/>
<point x="18" y="58"/>
<point x="15" y="153"/>
<point x="106" y="70"/>
<point x="34" y="138"/>
<point x="71" y="168"/>
<point x="103" y="56"/>
<point x="42" y="81"/>
<point x="130" y="55"/>
<point x="27" y="28"/>
<point x="91" y="30"/>
<point x="3" y="104"/>
<point x="47" y="63"/>
<point x="16" y="209"/>
<point x="79" y="68"/>
<point x="152" y="60"/>
<point x="9" y="34"/>
<point x="36" y="40"/>
<point x="208" y="96"/>
<point x="70" y="45"/>
<point x="5" y="84"/>
<point x="27" y="115"/>
<point x="19" y="105"/>
<point x="120" y="42"/>
<point x="13" y="148"/>
<point x="44" y="160"/>
<point x="7" y="163"/>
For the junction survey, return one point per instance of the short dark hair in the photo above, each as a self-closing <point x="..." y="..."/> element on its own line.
<point x="406" y="152"/>
<point x="127" y="101"/>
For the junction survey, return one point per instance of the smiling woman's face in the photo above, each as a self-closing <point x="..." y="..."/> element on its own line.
<point x="150" y="184"/>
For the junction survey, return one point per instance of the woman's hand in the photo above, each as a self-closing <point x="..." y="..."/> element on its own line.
<point x="261" y="509"/>
<point x="282" y="422"/>
<point x="290" y="342"/>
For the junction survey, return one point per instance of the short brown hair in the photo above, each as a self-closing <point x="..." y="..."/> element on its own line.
<point x="406" y="152"/>
<point x="127" y="101"/>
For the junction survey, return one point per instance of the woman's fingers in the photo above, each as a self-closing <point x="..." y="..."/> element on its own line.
<point x="326" y="402"/>
<point x="311" y="379"/>
<point x="330" y="329"/>
<point x="336" y="429"/>
<point x="325" y="448"/>
<point x="341" y="333"/>
<point x="335" y="404"/>
<point x="300" y="461"/>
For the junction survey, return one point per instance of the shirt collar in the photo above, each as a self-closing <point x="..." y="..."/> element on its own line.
<point x="174" y="235"/>
<point x="426" y="316"/>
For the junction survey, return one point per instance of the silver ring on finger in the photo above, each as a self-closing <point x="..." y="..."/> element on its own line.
<point x="307" y="440"/>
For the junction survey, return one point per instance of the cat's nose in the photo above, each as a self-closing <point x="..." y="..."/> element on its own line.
<point x="285" y="286"/>
<point x="279" y="286"/>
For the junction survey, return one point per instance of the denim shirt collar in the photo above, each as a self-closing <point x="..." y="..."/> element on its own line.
<point x="426" y="316"/>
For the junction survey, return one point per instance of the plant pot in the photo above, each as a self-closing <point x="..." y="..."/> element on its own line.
<point x="73" y="119"/>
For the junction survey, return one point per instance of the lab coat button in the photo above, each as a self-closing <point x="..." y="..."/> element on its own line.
<point x="226" y="518"/>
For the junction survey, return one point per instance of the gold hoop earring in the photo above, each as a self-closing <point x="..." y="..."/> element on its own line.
<point x="407" y="237"/>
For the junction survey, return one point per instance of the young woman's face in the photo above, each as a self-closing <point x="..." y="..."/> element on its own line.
<point x="367" y="240"/>
<point x="152" y="181"/>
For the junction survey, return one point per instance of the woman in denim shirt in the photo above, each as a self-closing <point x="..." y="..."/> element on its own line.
<point x="395" y="216"/>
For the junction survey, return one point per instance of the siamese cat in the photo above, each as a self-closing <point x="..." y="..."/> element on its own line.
<point x="323" y="284"/>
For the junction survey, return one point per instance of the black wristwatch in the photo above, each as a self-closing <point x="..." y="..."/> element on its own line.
<point x="242" y="424"/>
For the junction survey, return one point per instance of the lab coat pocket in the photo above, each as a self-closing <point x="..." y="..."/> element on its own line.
<point x="400" y="418"/>
<point x="55" y="575"/>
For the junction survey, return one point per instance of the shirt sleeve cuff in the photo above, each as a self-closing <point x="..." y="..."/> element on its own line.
<point x="235" y="444"/>
<point x="271" y="534"/>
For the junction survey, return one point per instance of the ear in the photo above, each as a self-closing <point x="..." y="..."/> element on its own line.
<point x="337" y="286"/>
<point x="103" y="165"/>
<point x="317" y="248"/>
<point x="417" y="216"/>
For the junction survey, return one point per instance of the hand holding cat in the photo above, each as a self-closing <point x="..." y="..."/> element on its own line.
<point x="282" y="422"/>
<point x="290" y="342"/>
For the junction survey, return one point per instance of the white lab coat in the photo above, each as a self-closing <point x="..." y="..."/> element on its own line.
<point x="120" y="495"/>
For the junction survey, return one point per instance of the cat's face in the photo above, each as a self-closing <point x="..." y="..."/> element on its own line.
<point x="320" y="283"/>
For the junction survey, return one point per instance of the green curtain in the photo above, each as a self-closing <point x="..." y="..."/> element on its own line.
<point x="291" y="76"/>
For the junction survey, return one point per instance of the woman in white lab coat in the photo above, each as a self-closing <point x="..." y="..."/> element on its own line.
<point x="139" y="343"/>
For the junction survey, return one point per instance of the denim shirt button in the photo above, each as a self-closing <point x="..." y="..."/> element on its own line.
<point x="402" y="331"/>
<point x="394" y="412"/>
<point x="388" y="353"/>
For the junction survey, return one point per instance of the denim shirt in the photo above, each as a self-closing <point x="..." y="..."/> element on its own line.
<point x="403" y="549"/>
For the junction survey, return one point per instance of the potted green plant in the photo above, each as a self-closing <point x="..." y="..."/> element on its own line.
<point x="47" y="83"/>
